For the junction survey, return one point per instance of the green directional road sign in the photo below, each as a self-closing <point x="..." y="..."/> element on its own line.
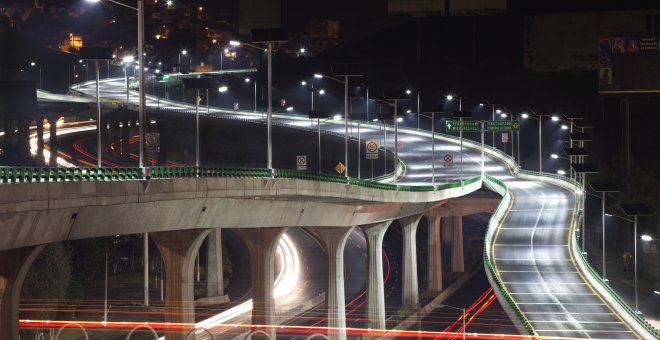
<point x="466" y="125"/>
<point x="502" y="125"/>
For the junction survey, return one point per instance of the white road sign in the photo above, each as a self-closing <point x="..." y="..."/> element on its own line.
<point x="301" y="162"/>
<point x="372" y="149"/>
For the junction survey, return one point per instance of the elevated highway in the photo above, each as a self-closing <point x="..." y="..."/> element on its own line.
<point x="531" y="251"/>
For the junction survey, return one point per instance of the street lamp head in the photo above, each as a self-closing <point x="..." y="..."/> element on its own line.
<point x="647" y="238"/>
<point x="374" y="120"/>
<point x="337" y="117"/>
<point x="184" y="52"/>
<point x="408" y="92"/>
<point x="555" y="118"/>
<point x="408" y="111"/>
<point x="128" y="59"/>
<point x="450" y="97"/>
<point x="247" y="80"/>
<point x="303" y="83"/>
<point x="564" y="127"/>
<point x="503" y="115"/>
<point x="318" y="75"/>
<point x="525" y="115"/>
<point x="289" y="109"/>
<point x="222" y="89"/>
<point x="561" y="172"/>
<point x="399" y="119"/>
<point x="321" y="91"/>
<point x="169" y="3"/>
<point x="498" y="111"/>
<point x="234" y="43"/>
<point x="302" y="50"/>
<point x="554" y="156"/>
<point x="32" y="63"/>
<point x="226" y="50"/>
<point x="481" y="104"/>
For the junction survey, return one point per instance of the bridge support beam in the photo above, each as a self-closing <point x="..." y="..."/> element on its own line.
<point x="178" y="250"/>
<point x="334" y="241"/>
<point x="375" y="290"/>
<point x="14" y="266"/>
<point x="215" y="286"/>
<point x="262" y="242"/>
<point x="410" y="290"/>
<point x="434" y="255"/>
<point x="456" y="225"/>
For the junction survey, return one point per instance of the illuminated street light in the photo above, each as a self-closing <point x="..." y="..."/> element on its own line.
<point x="337" y="117"/>
<point x="321" y="91"/>
<point x="554" y="155"/>
<point x="647" y="238"/>
<point x="481" y="104"/>
<point x="498" y="111"/>
<point x="561" y="172"/>
<point x="318" y="76"/>
<point x="247" y="80"/>
<point x="555" y="118"/>
<point x="503" y="115"/>
<point x="289" y="109"/>
<point x="525" y="115"/>
<point x="399" y="119"/>
<point x="450" y="97"/>
<point x="303" y="83"/>
<point x="222" y="89"/>
<point x="564" y="127"/>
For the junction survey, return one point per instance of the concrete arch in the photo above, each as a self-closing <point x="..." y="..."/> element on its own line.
<point x="192" y="332"/>
<point x="59" y="331"/>
<point x="128" y="336"/>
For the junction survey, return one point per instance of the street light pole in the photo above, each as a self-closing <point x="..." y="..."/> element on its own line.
<point x="540" y="145"/>
<point x="270" y="106"/>
<point x="346" y="124"/>
<point x="141" y="78"/>
<point x="98" y="117"/>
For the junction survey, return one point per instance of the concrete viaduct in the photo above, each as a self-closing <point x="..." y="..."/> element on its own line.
<point x="179" y="213"/>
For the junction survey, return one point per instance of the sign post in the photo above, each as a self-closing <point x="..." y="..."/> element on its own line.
<point x="301" y="162"/>
<point x="372" y="149"/>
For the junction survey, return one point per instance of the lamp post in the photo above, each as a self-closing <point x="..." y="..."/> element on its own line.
<point x="583" y="169"/>
<point x="247" y="80"/>
<point x="33" y="64"/>
<point x="183" y="52"/>
<point x="634" y="210"/>
<point x="460" y="114"/>
<point x="603" y="188"/>
<point x="456" y="308"/>
<point x="432" y="109"/>
<point x="141" y="78"/>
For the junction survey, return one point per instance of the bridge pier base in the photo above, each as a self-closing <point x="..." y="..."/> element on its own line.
<point x="14" y="266"/>
<point x="334" y="240"/>
<point x="261" y="243"/>
<point x="434" y="255"/>
<point x="215" y="283"/>
<point x="178" y="250"/>
<point x="375" y="290"/>
<point x="410" y="290"/>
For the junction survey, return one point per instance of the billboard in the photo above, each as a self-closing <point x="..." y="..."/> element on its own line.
<point x="18" y="99"/>
<point x="628" y="64"/>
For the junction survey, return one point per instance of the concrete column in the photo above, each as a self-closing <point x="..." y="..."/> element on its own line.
<point x="334" y="240"/>
<point x="178" y="250"/>
<point x="52" y="142"/>
<point x="434" y="255"/>
<point x="14" y="266"/>
<point x="410" y="289"/>
<point x="40" y="137"/>
<point x="375" y="291"/>
<point x="261" y="242"/>
<point x="214" y="276"/>
<point x="457" y="262"/>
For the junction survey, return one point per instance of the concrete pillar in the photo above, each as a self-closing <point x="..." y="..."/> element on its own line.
<point x="334" y="240"/>
<point x="214" y="276"/>
<point x="410" y="289"/>
<point x="375" y="291"/>
<point x="52" y="142"/>
<point x="40" y="137"/>
<point x="178" y="250"/>
<point x="261" y="242"/>
<point x="14" y="266"/>
<point x="457" y="262"/>
<point x="434" y="255"/>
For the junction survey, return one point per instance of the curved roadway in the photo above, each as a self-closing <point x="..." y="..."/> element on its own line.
<point x="531" y="248"/>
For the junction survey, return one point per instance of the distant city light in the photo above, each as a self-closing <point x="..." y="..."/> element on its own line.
<point x="234" y="43"/>
<point x="169" y="3"/>
<point x="302" y="50"/>
<point x="223" y="89"/>
<point x="128" y="59"/>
